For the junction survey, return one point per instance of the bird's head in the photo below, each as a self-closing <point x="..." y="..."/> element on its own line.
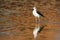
<point x="34" y="8"/>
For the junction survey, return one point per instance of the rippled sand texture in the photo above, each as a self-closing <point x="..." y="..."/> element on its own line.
<point x="17" y="21"/>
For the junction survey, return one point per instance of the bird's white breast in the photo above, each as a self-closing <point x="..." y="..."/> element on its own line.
<point x="35" y="13"/>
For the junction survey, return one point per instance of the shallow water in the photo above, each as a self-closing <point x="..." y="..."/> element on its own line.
<point x="17" y="21"/>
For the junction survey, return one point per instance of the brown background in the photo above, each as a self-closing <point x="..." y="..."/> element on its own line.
<point x="17" y="21"/>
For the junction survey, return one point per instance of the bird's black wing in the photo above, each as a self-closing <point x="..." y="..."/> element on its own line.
<point x="41" y="28"/>
<point x="40" y="14"/>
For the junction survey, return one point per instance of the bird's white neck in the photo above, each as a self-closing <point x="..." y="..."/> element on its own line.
<point x="35" y="10"/>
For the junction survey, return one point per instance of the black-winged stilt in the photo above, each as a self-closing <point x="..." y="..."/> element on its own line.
<point x="37" y="14"/>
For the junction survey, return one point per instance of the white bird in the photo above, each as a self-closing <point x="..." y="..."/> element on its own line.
<point x="35" y="31"/>
<point x="37" y="14"/>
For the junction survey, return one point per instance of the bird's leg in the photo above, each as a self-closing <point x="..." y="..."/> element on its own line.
<point x="36" y="21"/>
